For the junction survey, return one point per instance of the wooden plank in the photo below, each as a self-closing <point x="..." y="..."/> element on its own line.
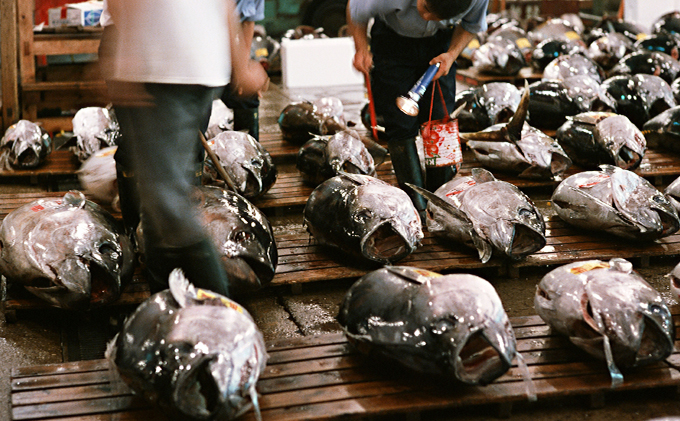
<point x="323" y="377"/>
<point x="66" y="44"/>
<point x="10" y="64"/>
<point x="472" y="76"/>
<point x="63" y="86"/>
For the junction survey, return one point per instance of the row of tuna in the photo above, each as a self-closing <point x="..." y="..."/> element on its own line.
<point x="454" y="326"/>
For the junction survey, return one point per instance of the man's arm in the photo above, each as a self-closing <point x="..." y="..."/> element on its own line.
<point x="363" y="59"/>
<point x="248" y="77"/>
<point x="459" y="40"/>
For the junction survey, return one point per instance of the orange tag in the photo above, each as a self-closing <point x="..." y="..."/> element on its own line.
<point x="207" y="295"/>
<point x="593" y="181"/>
<point x="588" y="266"/>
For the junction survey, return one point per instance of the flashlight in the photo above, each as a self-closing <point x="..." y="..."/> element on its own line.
<point x="408" y="104"/>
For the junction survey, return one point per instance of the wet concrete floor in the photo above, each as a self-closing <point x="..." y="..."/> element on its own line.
<point x="37" y="337"/>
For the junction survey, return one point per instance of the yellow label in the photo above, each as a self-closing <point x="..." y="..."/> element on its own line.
<point x="523" y="43"/>
<point x="572" y="35"/>
<point x="588" y="266"/>
<point x="261" y="52"/>
<point x="207" y="295"/>
<point x="107" y="152"/>
<point x="641" y="35"/>
<point x="426" y="273"/>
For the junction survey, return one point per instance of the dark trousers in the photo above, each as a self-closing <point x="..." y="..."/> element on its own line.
<point x="161" y="150"/>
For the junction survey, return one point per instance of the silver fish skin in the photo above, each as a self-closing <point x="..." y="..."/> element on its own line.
<point x="94" y="128"/>
<point x="447" y="325"/>
<point x="195" y="354"/>
<point x="663" y="131"/>
<point x="569" y="65"/>
<point x="489" y="215"/>
<point x="242" y="235"/>
<point x="590" y="300"/>
<point x="584" y="90"/>
<point x="67" y="251"/>
<point x="499" y="56"/>
<point x="323" y="157"/>
<point x="500" y="100"/>
<point x="553" y="28"/>
<point x="656" y="93"/>
<point x="674" y="281"/>
<point x="363" y="216"/>
<point x="245" y="160"/>
<point x="616" y="201"/>
<point x="24" y="145"/>
<point x="221" y="119"/>
<point x="672" y="192"/>
<point x="98" y="177"/>
<point x="597" y="137"/>
<point x="608" y="49"/>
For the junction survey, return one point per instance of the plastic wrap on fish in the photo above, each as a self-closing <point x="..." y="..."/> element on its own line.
<point x="669" y="23"/>
<point x="499" y="56"/>
<point x="98" y="177"/>
<point x="672" y="192"/>
<point x="609" y="49"/>
<point x="486" y="214"/>
<point x="451" y="326"/>
<point x="548" y="50"/>
<point x="569" y="65"/>
<point x="267" y="51"/>
<point x="24" y="145"/>
<point x="648" y="62"/>
<point x="584" y="90"/>
<point x="609" y="311"/>
<point x="594" y="138"/>
<point x="242" y="235"/>
<point x="245" y="160"/>
<point x="221" y="119"/>
<point x="663" y="131"/>
<point x="518" y="148"/>
<point x="611" y="24"/>
<point x="324" y="157"/>
<point x="195" y="354"/>
<point x="662" y="42"/>
<point x="68" y="251"/>
<point x="615" y="201"/>
<point x="554" y="28"/>
<point x="550" y="104"/>
<point x="674" y="280"/>
<point x="299" y="121"/>
<point x="370" y="218"/>
<point x="94" y="128"/>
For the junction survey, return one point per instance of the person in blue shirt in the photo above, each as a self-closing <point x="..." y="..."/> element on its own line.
<point x="246" y="113"/>
<point x="406" y="37"/>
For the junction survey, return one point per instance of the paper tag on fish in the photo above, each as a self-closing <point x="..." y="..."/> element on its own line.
<point x="523" y="43"/>
<point x="441" y="144"/>
<point x="106" y="152"/>
<point x="588" y="267"/>
<point x="419" y="276"/>
<point x="202" y="295"/>
<point x="640" y="36"/>
<point x="572" y="35"/>
<point x="261" y="52"/>
<point x="474" y="44"/>
<point x="461" y="188"/>
<point x="593" y="181"/>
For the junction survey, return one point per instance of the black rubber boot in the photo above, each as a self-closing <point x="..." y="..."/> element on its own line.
<point x="406" y="164"/>
<point x="129" y="201"/>
<point x="247" y="119"/>
<point x="200" y="262"/>
<point x="436" y="176"/>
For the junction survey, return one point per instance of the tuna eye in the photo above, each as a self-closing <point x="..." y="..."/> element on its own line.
<point x="241" y="236"/>
<point x="542" y="293"/>
<point x="363" y="215"/>
<point x="525" y="212"/>
<point x="107" y="249"/>
<point x="256" y="163"/>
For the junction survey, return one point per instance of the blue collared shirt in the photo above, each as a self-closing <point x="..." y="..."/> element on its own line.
<point x="402" y="16"/>
<point x="250" y="10"/>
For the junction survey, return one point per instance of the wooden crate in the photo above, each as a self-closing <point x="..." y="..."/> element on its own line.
<point x="324" y="378"/>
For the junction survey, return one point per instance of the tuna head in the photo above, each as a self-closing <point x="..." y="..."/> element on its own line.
<point x="66" y="251"/>
<point x="625" y="143"/>
<point x="664" y="130"/>
<point x="609" y="311"/>
<point x="299" y="121"/>
<point x="194" y="353"/>
<point x="347" y="153"/>
<point x="242" y="236"/>
<point x="389" y="225"/>
<point x="94" y="128"/>
<point x="24" y="145"/>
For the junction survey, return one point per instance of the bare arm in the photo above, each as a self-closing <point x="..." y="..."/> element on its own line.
<point x="248" y="77"/>
<point x="459" y="40"/>
<point x="363" y="59"/>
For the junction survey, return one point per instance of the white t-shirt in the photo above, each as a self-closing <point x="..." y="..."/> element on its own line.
<point x="171" y="41"/>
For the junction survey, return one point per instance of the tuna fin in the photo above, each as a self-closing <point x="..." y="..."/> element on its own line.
<point x="614" y="373"/>
<point x="352" y="177"/>
<point x="439" y="201"/>
<point x="484" y="136"/>
<point x="379" y="153"/>
<point x="419" y="276"/>
<point x="621" y="265"/>
<point x="482" y="175"/>
<point x="526" y="376"/>
<point x="484" y="249"/>
<point x="609" y="169"/>
<point x="457" y="111"/>
<point x="256" y="403"/>
<point x="180" y="287"/>
<point x="75" y="198"/>
<point x="516" y="123"/>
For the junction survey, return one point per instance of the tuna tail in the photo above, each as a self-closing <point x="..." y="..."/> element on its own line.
<point x="482" y="175"/>
<point x="614" y="373"/>
<point x="180" y="287"/>
<point x="514" y="126"/>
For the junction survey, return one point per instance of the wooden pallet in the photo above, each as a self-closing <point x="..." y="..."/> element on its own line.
<point x="324" y="378"/>
<point x="472" y="76"/>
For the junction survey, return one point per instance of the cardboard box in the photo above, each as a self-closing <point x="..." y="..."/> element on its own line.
<point x="75" y="14"/>
<point x="318" y="62"/>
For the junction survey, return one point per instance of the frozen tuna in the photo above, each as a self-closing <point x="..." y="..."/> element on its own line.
<point x="486" y="214"/>
<point x="194" y="353"/>
<point x="609" y="311"/>
<point x="363" y="216"/>
<point x="452" y="325"/>
<point x="663" y="131"/>
<point x="499" y="56"/>
<point x="299" y="121"/>
<point x="245" y="160"/>
<point x="94" y="128"/>
<point x="491" y="103"/>
<point x="615" y="201"/>
<point x="68" y="251"/>
<point x="98" y="177"/>
<point x="24" y="145"/>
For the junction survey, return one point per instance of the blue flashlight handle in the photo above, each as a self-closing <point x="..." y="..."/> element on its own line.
<point x="419" y="88"/>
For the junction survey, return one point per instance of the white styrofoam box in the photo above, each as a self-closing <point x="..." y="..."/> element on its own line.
<point x="318" y="62"/>
<point x="642" y="14"/>
<point x="85" y="13"/>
